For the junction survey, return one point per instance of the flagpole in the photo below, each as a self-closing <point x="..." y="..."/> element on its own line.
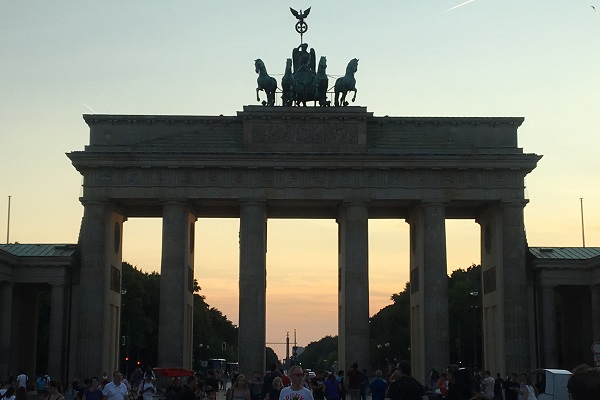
<point x="582" y="227"/>
<point x="8" y="223"/>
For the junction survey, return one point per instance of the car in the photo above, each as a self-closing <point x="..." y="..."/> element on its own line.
<point x="551" y="383"/>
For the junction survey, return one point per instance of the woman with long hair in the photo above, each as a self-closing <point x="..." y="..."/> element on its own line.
<point x="55" y="390"/>
<point x="239" y="390"/>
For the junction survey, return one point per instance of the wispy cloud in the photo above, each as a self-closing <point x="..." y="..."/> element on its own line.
<point x="460" y="5"/>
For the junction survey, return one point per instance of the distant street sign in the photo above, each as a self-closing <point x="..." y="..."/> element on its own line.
<point x="596" y="347"/>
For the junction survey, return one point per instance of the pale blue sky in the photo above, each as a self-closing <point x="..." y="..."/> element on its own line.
<point x="536" y="59"/>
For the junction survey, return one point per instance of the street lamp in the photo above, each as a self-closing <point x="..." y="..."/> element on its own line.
<point x="383" y="348"/>
<point x="474" y="293"/>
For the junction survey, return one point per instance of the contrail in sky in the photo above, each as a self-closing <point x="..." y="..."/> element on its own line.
<point x="460" y="5"/>
<point x="90" y="108"/>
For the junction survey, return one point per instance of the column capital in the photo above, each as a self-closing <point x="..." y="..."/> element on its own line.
<point x="184" y="203"/>
<point x="107" y="204"/>
<point x="93" y="202"/>
<point x="357" y="200"/>
<point x="514" y="203"/>
<point x="425" y="204"/>
<point x="433" y="202"/>
<point x="252" y="202"/>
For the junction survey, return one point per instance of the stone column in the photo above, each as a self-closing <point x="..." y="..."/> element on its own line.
<point x="515" y="319"/>
<point x="595" y="292"/>
<point x="253" y="275"/>
<point x="24" y="328"/>
<point x="492" y="272"/>
<point x="56" y="331"/>
<point x="429" y="290"/>
<point x="549" y="330"/>
<point x="100" y="284"/>
<point x="353" y="297"/>
<point x="176" y="286"/>
<point x="6" y="322"/>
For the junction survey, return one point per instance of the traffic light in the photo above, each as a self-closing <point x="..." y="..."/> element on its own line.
<point x="126" y="358"/>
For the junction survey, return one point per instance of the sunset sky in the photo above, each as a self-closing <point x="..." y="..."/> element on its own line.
<point x="524" y="58"/>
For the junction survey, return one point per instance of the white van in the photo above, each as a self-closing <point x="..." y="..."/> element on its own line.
<point x="551" y="383"/>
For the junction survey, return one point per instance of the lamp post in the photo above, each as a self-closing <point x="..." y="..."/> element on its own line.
<point x="382" y="348"/>
<point x="204" y="357"/>
<point x="474" y="293"/>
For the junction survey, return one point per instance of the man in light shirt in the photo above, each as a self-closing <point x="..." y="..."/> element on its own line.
<point x="116" y="390"/>
<point x="22" y="380"/>
<point x="488" y="385"/>
<point x="295" y="391"/>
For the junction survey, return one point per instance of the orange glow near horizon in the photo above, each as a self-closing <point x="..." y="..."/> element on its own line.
<point x="301" y="267"/>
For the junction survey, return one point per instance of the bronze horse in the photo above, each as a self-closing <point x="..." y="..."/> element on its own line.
<point x="265" y="82"/>
<point x="346" y="83"/>
<point x="288" y="84"/>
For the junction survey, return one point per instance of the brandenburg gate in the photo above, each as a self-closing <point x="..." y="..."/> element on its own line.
<point x="341" y="163"/>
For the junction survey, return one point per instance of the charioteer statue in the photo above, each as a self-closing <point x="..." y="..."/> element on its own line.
<point x="303" y="80"/>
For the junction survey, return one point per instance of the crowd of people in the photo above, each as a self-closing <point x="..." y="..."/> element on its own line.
<point x="455" y="383"/>
<point x="463" y="384"/>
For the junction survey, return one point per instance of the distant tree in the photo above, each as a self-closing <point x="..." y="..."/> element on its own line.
<point x="464" y="312"/>
<point x="320" y="355"/>
<point x="139" y="317"/>
<point x="390" y="332"/>
<point x="271" y="358"/>
<point x="139" y="323"/>
<point x="217" y="335"/>
<point x="391" y="325"/>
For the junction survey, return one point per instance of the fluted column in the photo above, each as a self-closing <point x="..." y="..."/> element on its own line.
<point x="595" y="291"/>
<point x="56" y="332"/>
<point x="176" y="286"/>
<point x="100" y="284"/>
<point x="429" y="289"/>
<point x="252" y="303"/>
<point x="549" y="327"/>
<point x="516" y="318"/>
<point x="6" y="321"/>
<point x="353" y="299"/>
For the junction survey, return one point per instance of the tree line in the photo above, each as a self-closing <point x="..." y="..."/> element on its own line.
<point x="215" y="336"/>
<point x="389" y="329"/>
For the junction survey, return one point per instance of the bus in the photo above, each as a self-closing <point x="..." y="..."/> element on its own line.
<point x="232" y="368"/>
<point x="216" y="364"/>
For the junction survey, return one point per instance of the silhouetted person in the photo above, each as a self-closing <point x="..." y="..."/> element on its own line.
<point x="405" y="387"/>
<point x="584" y="384"/>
